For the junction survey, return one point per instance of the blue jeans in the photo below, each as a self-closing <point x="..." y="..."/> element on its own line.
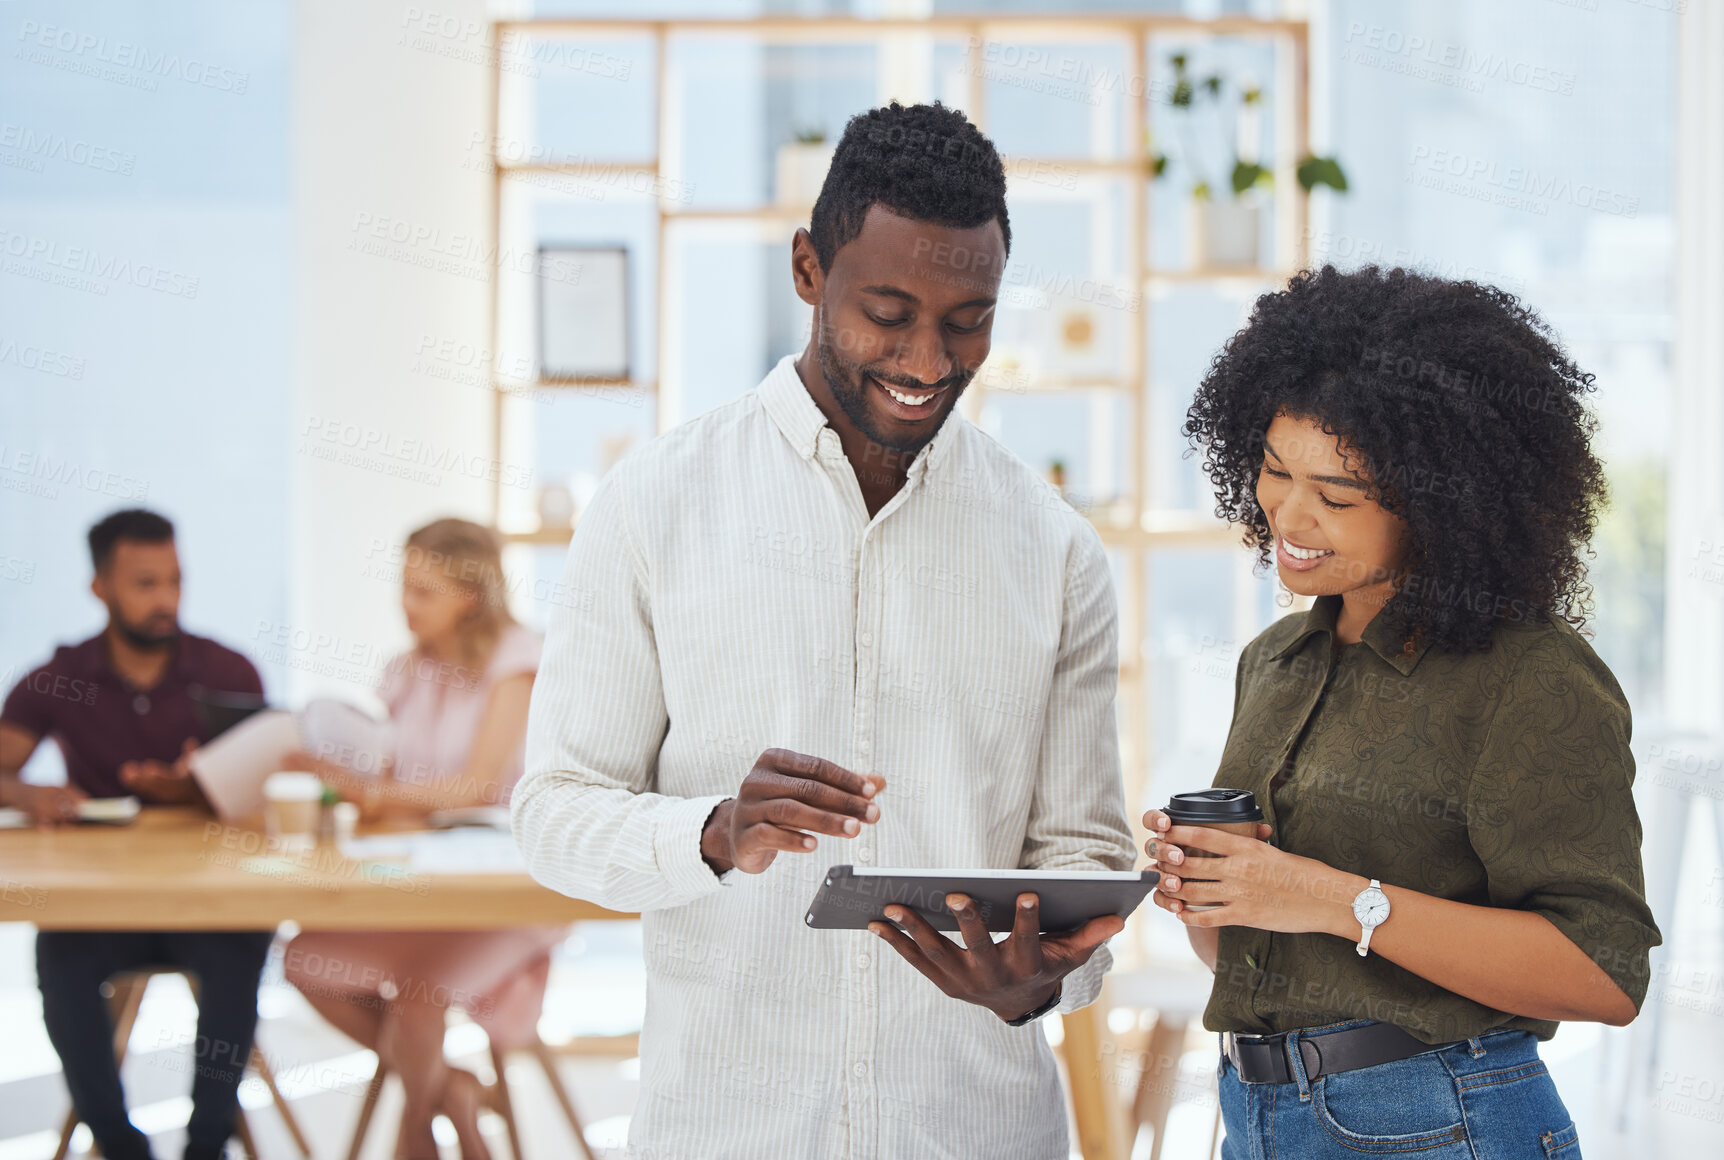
<point x="1489" y="1098"/>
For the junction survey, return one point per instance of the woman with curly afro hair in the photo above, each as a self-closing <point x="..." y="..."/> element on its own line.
<point x="1448" y="862"/>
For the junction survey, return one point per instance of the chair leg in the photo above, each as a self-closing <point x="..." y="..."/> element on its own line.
<point x="372" y="1092"/>
<point x="548" y="1061"/>
<point x="66" y="1135"/>
<point x="503" y="1105"/>
<point x="242" y="1129"/>
<point x="1160" y="1075"/>
<point x="128" y="997"/>
<point x="260" y="1064"/>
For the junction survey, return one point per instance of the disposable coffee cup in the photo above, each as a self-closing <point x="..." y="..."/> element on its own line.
<point x="292" y="805"/>
<point x="1233" y="811"/>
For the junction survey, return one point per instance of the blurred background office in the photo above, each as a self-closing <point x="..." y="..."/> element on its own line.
<point x="305" y="274"/>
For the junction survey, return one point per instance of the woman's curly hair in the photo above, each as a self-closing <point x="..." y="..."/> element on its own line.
<point x="1460" y="408"/>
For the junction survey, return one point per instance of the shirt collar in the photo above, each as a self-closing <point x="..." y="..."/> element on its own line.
<point x="786" y="399"/>
<point x="93" y="654"/>
<point x="1400" y="654"/>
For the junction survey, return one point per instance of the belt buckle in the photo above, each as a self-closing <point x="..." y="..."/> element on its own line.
<point x="1237" y="1039"/>
<point x="1271" y="1043"/>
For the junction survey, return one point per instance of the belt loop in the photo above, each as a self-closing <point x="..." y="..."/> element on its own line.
<point x="1475" y="1048"/>
<point x="1296" y="1061"/>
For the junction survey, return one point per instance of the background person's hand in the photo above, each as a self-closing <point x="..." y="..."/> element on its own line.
<point x="160" y="782"/>
<point x="1010" y="978"/>
<point x="785" y="799"/>
<point x="1169" y="859"/>
<point x="48" y="805"/>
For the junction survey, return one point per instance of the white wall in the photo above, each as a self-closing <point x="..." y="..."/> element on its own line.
<point x="1694" y="632"/>
<point x="386" y="114"/>
<point x="145" y="312"/>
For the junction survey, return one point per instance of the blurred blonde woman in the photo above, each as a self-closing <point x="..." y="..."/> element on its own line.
<point x="458" y="706"/>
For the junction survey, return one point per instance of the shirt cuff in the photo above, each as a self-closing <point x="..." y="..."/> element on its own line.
<point x="676" y="843"/>
<point x="1083" y="986"/>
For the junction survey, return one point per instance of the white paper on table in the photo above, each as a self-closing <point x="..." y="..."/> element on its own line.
<point x="468" y="851"/>
<point x="381" y="847"/>
<point x="231" y="769"/>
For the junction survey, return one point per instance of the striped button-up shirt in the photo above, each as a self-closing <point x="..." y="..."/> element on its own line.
<point x="726" y="592"/>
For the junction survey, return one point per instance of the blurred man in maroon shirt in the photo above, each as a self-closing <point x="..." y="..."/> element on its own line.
<point x="121" y="708"/>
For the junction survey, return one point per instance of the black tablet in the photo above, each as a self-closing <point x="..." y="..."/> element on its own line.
<point x="853" y="896"/>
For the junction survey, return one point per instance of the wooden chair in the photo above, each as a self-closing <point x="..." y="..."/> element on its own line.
<point x="497" y="1099"/>
<point x="127" y="995"/>
<point x="1178" y="994"/>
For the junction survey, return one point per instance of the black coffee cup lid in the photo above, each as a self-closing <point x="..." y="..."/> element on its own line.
<point x="1207" y="807"/>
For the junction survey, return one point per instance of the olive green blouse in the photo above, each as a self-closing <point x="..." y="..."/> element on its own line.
<point x="1497" y="778"/>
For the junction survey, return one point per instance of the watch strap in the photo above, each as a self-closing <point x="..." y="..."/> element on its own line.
<point x="1031" y="1017"/>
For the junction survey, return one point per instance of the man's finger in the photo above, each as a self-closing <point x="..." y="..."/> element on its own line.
<point x="1081" y="943"/>
<point x="794" y="815"/>
<point x="766" y="836"/>
<point x="811" y="768"/>
<point x="770" y="784"/>
<point x="936" y="948"/>
<point x="906" y="947"/>
<point x="977" y="940"/>
<point x="1024" y="948"/>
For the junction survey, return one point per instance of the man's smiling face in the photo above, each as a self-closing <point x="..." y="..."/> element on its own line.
<point x="905" y="318"/>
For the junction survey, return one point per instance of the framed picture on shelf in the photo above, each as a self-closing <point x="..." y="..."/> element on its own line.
<point x="583" y="312"/>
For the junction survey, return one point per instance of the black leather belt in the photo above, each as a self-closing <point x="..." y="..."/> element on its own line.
<point x="1263" y="1058"/>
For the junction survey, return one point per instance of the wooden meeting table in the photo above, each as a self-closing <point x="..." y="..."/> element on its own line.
<point x="178" y="868"/>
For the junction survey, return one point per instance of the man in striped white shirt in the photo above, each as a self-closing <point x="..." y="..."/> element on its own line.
<point x="832" y="622"/>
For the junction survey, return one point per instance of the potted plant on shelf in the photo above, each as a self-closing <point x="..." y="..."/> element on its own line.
<point x="1226" y="232"/>
<point x="801" y="167"/>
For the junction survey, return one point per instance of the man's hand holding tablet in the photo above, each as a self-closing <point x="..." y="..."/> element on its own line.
<point x="1010" y="978"/>
<point x="785" y="799"/>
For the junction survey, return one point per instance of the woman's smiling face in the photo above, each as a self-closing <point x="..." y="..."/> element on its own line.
<point x="1331" y="536"/>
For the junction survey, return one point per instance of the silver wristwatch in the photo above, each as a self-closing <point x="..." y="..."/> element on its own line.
<point x="1371" y="908"/>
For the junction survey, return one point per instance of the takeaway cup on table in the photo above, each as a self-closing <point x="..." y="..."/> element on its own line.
<point x="292" y="807"/>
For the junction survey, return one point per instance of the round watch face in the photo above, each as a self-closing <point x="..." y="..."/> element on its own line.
<point x="1371" y="908"/>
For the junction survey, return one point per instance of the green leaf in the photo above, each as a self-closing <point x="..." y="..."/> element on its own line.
<point x="1251" y="96"/>
<point x="1200" y="191"/>
<point x="1247" y="174"/>
<point x="1159" y="166"/>
<point x="1213" y="84"/>
<point x="1315" y="171"/>
<point x="1181" y="98"/>
<point x="1178" y="61"/>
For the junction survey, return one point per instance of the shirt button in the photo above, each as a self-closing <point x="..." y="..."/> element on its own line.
<point x="867" y="640"/>
<point x="865" y="855"/>
<point x="863" y="960"/>
<point x="860" y="1070"/>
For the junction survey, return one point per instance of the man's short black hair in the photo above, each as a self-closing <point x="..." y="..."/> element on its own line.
<point x="136" y="524"/>
<point x="925" y="162"/>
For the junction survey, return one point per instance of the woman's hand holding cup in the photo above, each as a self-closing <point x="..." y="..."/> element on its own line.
<point x="1234" y="811"/>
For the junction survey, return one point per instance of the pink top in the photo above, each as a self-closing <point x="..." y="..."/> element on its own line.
<point x="435" y="708"/>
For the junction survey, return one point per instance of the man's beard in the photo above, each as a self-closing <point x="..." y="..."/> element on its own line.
<point x="848" y="384"/>
<point x="140" y="638"/>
